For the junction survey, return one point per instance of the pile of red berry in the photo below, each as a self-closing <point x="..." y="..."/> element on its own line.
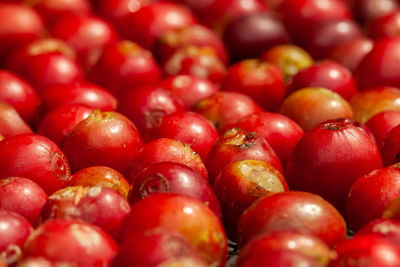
<point x="148" y="133"/>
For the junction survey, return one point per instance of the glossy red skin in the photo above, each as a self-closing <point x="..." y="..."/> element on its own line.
<point x="52" y="10"/>
<point x="57" y="124"/>
<point x="367" y="10"/>
<point x="349" y="54"/>
<point x="146" y="105"/>
<point x="281" y="132"/>
<point x="250" y="35"/>
<point x="300" y="15"/>
<point x="10" y="122"/>
<point x="240" y="184"/>
<point x="225" y="108"/>
<point x="374" y="190"/>
<point x="378" y="67"/>
<point x="103" y="139"/>
<point x="182" y="214"/>
<point x="390" y="147"/>
<point x="87" y="34"/>
<point x="124" y="65"/>
<point x="20" y="24"/>
<point x="262" y="81"/>
<point x="387" y="25"/>
<point x="117" y="11"/>
<point x="366" y="250"/>
<point x="22" y="196"/>
<point x="382" y="123"/>
<point x="305" y="244"/>
<point x="189" y="128"/>
<point x="45" y="70"/>
<point x="36" y="158"/>
<point x="356" y="124"/>
<point x="189" y="89"/>
<point x="98" y="205"/>
<point x="152" y="21"/>
<point x="153" y="248"/>
<point x="218" y="14"/>
<point x="193" y="35"/>
<point x="202" y="62"/>
<point x="79" y="93"/>
<point x="17" y="60"/>
<point x="311" y="106"/>
<point x="327" y="74"/>
<point x="172" y="177"/>
<point x="73" y="241"/>
<point x="14" y="231"/>
<point x="324" y="37"/>
<point x="100" y="175"/>
<point x="388" y="228"/>
<point x="330" y="158"/>
<point x="165" y="149"/>
<point x="279" y="258"/>
<point x="19" y="94"/>
<point x="304" y="212"/>
<point x="235" y="145"/>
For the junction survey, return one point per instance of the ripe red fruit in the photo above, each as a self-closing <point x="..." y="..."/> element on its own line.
<point x="225" y="108"/>
<point x="100" y="175"/>
<point x="189" y="89"/>
<point x="250" y="35"/>
<point x="320" y="167"/>
<point x="87" y="34"/>
<point x="387" y="25"/>
<point x="52" y="10"/>
<point x="262" y="81"/>
<point x="305" y="244"/>
<point x="349" y="54"/>
<point x="45" y="70"/>
<point x="392" y="210"/>
<point x="189" y="128"/>
<point x="304" y="212"/>
<point x="19" y="94"/>
<point x="365" y="251"/>
<point x="154" y="248"/>
<point x="235" y="145"/>
<point x="279" y="258"/>
<point x="124" y="65"/>
<point x="34" y="157"/>
<point x="313" y="105"/>
<point x="201" y="62"/>
<point x="57" y="124"/>
<point x="146" y="105"/>
<point x="378" y="67"/>
<point x="81" y="93"/>
<point x="165" y="149"/>
<point x="171" y="177"/>
<point x="373" y="190"/>
<point x="104" y="138"/>
<point x="72" y="241"/>
<point x="98" y="205"/>
<point x="153" y="20"/>
<point x="22" y="196"/>
<point x="387" y="228"/>
<point x="193" y="35"/>
<point x="367" y="10"/>
<point x="390" y="147"/>
<point x="182" y="214"/>
<point x="240" y="184"/>
<point x="281" y="132"/>
<point x="327" y="74"/>
<point x="14" y="231"/>
<point x="19" y="25"/>
<point x="10" y="121"/>
<point x="382" y="123"/>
